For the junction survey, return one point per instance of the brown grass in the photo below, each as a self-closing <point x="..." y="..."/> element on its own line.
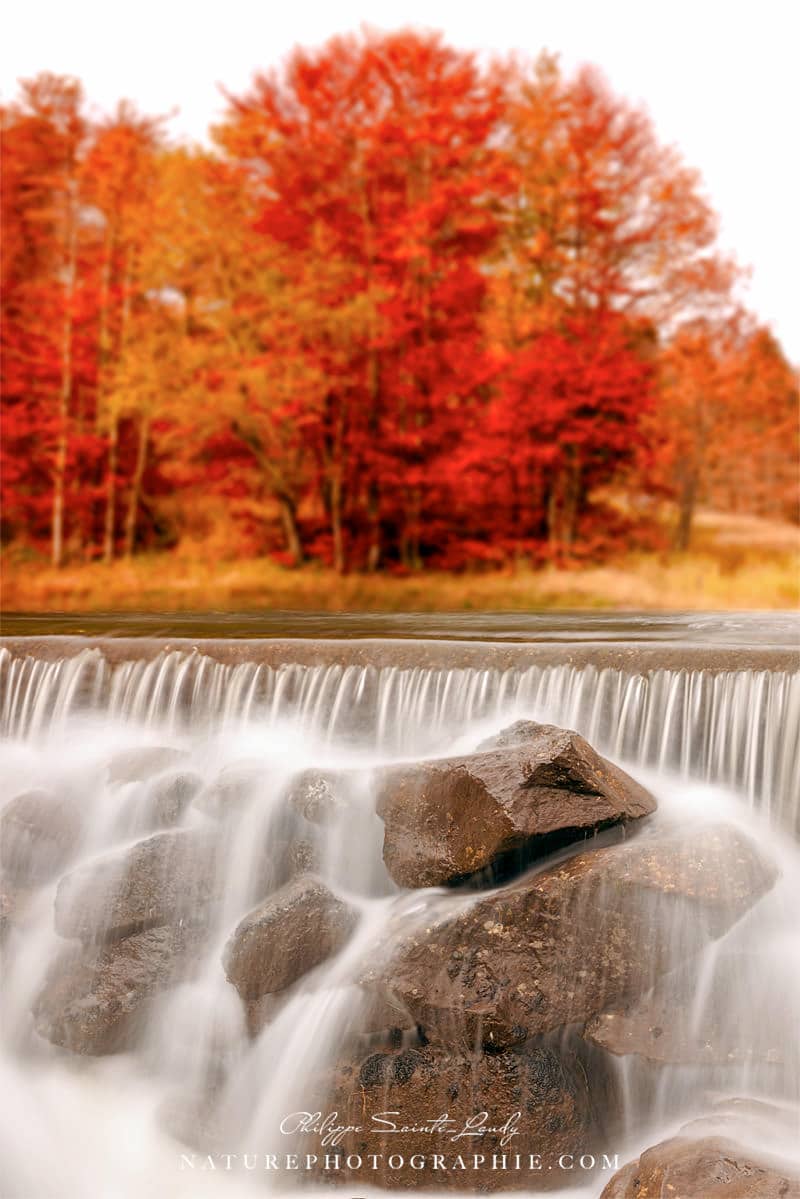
<point x="737" y="562"/>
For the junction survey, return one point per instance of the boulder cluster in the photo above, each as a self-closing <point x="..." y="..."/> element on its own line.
<point x="568" y="928"/>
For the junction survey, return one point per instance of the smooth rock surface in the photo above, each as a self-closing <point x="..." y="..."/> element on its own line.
<point x="163" y="879"/>
<point x="292" y="931"/>
<point x="561" y="945"/>
<point x="452" y="817"/>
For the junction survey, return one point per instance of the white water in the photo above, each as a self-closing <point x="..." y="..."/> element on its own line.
<point x="732" y="726"/>
<point x="709" y="746"/>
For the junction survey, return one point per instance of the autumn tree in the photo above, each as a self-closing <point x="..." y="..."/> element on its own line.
<point x="726" y="430"/>
<point x="118" y="174"/>
<point x="404" y="310"/>
<point x="43" y="135"/>
<point x="374" y="165"/>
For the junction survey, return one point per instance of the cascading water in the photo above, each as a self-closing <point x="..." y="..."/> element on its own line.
<point x="710" y="744"/>
<point x="731" y="726"/>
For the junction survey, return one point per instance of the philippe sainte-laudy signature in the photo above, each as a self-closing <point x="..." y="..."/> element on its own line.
<point x="331" y="1131"/>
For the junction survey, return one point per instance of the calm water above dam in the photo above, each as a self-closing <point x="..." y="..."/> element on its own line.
<point x="779" y="630"/>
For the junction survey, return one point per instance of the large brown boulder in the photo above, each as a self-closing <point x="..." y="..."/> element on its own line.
<point x="39" y="833"/>
<point x="94" y="1002"/>
<point x="560" y="946"/>
<point x="452" y="817"/>
<point x="166" y="878"/>
<point x="535" y="1101"/>
<point x="292" y="931"/>
<point x="705" y="1168"/>
<point x="665" y="1027"/>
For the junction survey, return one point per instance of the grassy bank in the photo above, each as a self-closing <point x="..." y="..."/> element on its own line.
<point x="737" y="563"/>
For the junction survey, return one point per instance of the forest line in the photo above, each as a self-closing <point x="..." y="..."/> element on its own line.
<point x="406" y="311"/>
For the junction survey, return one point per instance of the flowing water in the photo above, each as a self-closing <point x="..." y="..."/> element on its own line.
<point x="720" y="740"/>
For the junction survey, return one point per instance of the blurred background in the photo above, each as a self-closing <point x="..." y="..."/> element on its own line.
<point x="430" y="314"/>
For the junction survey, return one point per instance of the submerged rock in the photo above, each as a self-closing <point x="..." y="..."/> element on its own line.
<point x="294" y="930"/>
<point x="193" y="1120"/>
<point x="166" y="878"/>
<point x="8" y="907"/>
<point x="168" y="797"/>
<point x="560" y="946"/>
<point x="704" y="1168"/>
<point x="533" y="1101"/>
<point x="381" y="1012"/>
<point x="143" y="762"/>
<point x="233" y="788"/>
<point x="95" y="1002"/>
<point x="452" y="817"/>
<point x="39" y="833"/>
<point x="665" y="1027"/>
<point x="315" y="796"/>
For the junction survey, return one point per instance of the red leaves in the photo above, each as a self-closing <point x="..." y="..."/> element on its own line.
<point x="410" y="311"/>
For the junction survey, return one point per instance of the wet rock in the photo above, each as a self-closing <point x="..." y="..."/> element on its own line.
<point x="233" y="788"/>
<point x="303" y="857"/>
<point x="665" y="1027"/>
<point x="562" y="945"/>
<point x="161" y="803"/>
<point x="258" y="1013"/>
<point x="453" y="817"/>
<point x="94" y="1002"/>
<point x="294" y="930"/>
<point x="39" y="833"/>
<point x="134" y="765"/>
<point x="14" y="901"/>
<point x="534" y="1101"/>
<point x="774" y="1117"/>
<point x="8" y="905"/>
<point x="166" y="878"/>
<point x="382" y="1012"/>
<point x="168" y="797"/>
<point x="316" y="797"/>
<point x="193" y="1121"/>
<point x="705" y="1168"/>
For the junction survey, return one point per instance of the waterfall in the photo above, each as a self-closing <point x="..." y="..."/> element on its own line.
<point x="734" y="726"/>
<point x="233" y="729"/>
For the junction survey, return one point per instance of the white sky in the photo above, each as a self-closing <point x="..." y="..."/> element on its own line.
<point x="719" y="77"/>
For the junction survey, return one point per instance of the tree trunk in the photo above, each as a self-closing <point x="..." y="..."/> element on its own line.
<point x="111" y="492"/>
<point x="374" y="551"/>
<point x="290" y="529"/>
<point x="686" y="506"/>
<point x="553" y="529"/>
<point x="373" y="511"/>
<point x="65" y="392"/>
<point x="113" y="434"/>
<point x="136" y="487"/>
<point x="336" y="525"/>
<point x="572" y="498"/>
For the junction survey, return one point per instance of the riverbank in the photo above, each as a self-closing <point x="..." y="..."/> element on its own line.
<point x="738" y="563"/>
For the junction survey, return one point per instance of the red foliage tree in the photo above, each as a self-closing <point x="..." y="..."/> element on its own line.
<point x="376" y="155"/>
